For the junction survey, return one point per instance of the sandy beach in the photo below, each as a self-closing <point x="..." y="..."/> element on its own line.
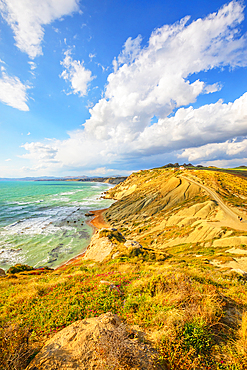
<point x="96" y="223"/>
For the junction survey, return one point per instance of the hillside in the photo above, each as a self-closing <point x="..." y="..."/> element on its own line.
<point x="194" y="212"/>
<point x="171" y="262"/>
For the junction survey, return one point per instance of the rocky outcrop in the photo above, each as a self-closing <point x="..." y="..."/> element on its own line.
<point x="2" y="272"/>
<point x="102" y="244"/>
<point x="99" y="248"/>
<point x="105" y="240"/>
<point x="115" y="180"/>
<point x="95" y="344"/>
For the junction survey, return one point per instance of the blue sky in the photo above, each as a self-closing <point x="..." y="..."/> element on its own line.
<point x="102" y="87"/>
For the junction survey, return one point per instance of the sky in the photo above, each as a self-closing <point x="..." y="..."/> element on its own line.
<point x="103" y="87"/>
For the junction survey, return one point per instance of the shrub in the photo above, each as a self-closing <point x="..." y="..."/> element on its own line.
<point x="113" y="235"/>
<point x="118" y="351"/>
<point x="172" y="352"/>
<point x="197" y="336"/>
<point x="19" y="268"/>
<point x="15" y="351"/>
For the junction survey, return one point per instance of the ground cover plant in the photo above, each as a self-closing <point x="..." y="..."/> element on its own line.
<point x="185" y="311"/>
<point x="195" y="313"/>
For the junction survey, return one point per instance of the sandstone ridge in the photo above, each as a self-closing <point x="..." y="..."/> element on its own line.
<point x="197" y="210"/>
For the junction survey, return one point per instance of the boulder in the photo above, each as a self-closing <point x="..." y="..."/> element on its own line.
<point x="95" y="344"/>
<point x="2" y="272"/>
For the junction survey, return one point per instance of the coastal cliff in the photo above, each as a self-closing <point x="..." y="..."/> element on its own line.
<point x="190" y="210"/>
<point x="169" y="260"/>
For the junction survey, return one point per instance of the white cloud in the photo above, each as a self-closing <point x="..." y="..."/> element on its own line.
<point x="131" y="50"/>
<point x="33" y="65"/>
<point x="13" y="92"/>
<point x="39" y="151"/>
<point x="100" y="171"/>
<point x="229" y="149"/>
<point x="75" y="73"/>
<point x="27" y="18"/>
<point x="29" y="133"/>
<point x="7" y="160"/>
<point x="103" y="171"/>
<point x="157" y="80"/>
<point x="226" y="163"/>
<point x="154" y="81"/>
<point x="193" y="127"/>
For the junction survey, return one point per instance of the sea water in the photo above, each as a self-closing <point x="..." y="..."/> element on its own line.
<point x="42" y="223"/>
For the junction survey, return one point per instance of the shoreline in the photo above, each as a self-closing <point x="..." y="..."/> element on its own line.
<point x="97" y="222"/>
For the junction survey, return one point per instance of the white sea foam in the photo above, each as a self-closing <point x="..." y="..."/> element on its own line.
<point x="39" y="221"/>
<point x="17" y="208"/>
<point x="61" y="199"/>
<point x="43" y="222"/>
<point x="71" y="192"/>
<point x="11" y="256"/>
<point x="23" y="203"/>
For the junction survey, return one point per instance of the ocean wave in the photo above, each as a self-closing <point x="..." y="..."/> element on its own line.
<point x="38" y="222"/>
<point x="11" y="256"/>
<point x="61" y="199"/>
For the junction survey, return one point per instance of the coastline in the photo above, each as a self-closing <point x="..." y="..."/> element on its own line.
<point x="97" y="222"/>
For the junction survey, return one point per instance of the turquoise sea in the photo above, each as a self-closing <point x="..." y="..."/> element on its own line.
<point x="42" y="223"/>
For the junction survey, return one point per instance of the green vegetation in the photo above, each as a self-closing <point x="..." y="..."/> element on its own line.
<point x="114" y="235"/>
<point x="19" y="268"/>
<point x="193" y="312"/>
<point x="232" y="189"/>
<point x="185" y="309"/>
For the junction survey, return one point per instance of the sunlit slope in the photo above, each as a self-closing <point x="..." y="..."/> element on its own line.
<point x="163" y="208"/>
<point x="148" y="193"/>
<point x="232" y="188"/>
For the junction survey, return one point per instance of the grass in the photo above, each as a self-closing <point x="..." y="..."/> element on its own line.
<point x="182" y="309"/>
<point x="232" y="189"/>
<point x="194" y="313"/>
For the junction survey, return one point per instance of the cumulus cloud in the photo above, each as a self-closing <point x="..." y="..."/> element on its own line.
<point x="75" y="73"/>
<point x="13" y="92"/>
<point x="39" y="151"/>
<point x="193" y="127"/>
<point x="131" y="50"/>
<point x="101" y="171"/>
<point x="154" y="81"/>
<point x="227" y="163"/>
<point x="27" y="18"/>
<point x="234" y="148"/>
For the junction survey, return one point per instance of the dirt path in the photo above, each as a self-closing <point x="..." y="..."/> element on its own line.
<point x="231" y="218"/>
